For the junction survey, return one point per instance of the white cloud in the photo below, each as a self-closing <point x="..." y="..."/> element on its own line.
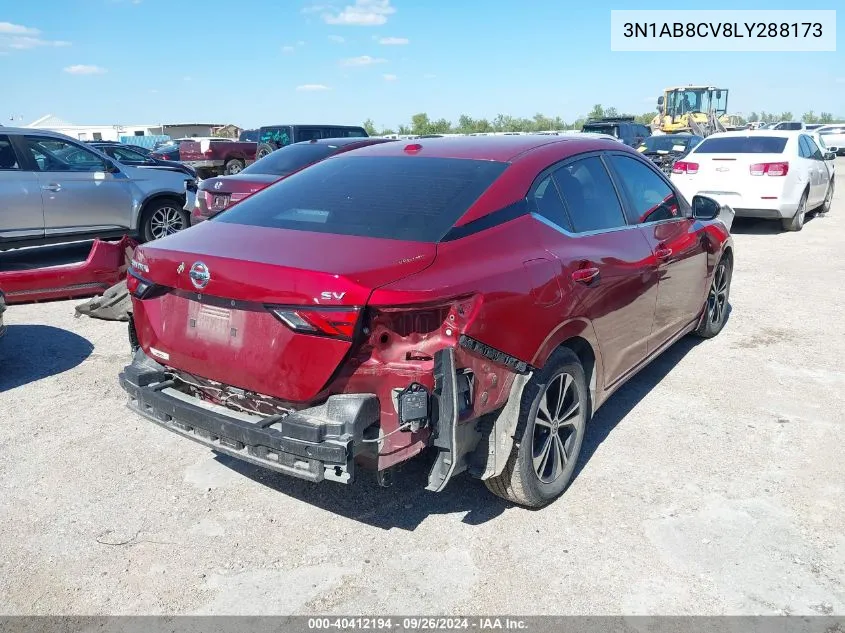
<point x="300" y="43"/>
<point x="394" y="41"/>
<point x="24" y="43"/>
<point x="312" y="88"/>
<point x="362" y="13"/>
<point x="390" y="77"/>
<point x="19" y="37"/>
<point x="288" y="49"/>
<point x="363" y="60"/>
<point x="337" y="38"/>
<point x="84" y="69"/>
<point x="7" y="28"/>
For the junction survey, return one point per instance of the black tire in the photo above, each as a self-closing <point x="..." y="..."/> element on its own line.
<point x="233" y="166"/>
<point x="716" y="304"/>
<point x="263" y="150"/>
<point x="796" y="222"/>
<point x="533" y="477"/>
<point x="828" y="199"/>
<point x="163" y="217"/>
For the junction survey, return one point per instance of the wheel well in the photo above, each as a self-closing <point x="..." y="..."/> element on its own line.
<point x="160" y="197"/>
<point x="729" y="253"/>
<point x="584" y="351"/>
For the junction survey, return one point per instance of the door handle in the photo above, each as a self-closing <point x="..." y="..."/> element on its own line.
<point x="52" y="187"/>
<point x="585" y="276"/>
<point x="663" y="253"/>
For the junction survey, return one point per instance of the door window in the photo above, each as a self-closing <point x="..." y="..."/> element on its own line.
<point x="127" y="155"/>
<point x="53" y="154"/>
<point x="804" y="150"/>
<point x="650" y="199"/>
<point x="547" y="203"/>
<point x="814" y="150"/>
<point x="589" y="195"/>
<point x="8" y="158"/>
<point x="308" y="133"/>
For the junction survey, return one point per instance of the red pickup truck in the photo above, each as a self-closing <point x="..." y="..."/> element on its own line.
<point x="217" y="156"/>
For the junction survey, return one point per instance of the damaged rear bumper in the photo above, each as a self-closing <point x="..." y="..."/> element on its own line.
<point x="312" y="444"/>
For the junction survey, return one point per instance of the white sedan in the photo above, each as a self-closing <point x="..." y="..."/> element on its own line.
<point x="781" y="175"/>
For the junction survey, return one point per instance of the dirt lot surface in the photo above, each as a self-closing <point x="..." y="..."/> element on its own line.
<point x="712" y="483"/>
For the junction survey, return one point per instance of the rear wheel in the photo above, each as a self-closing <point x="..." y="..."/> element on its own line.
<point x="162" y="218"/>
<point x="549" y="434"/>
<point x="263" y="150"/>
<point x="796" y="222"/>
<point x="716" y="308"/>
<point x="233" y="166"/>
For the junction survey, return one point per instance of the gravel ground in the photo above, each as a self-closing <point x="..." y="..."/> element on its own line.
<point x="713" y="483"/>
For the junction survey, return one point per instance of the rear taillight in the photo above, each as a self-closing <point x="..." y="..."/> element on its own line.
<point x="684" y="167"/>
<point x="138" y="286"/>
<point x="769" y="169"/>
<point x="334" y="322"/>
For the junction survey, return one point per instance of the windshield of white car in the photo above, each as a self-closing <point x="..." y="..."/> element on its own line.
<point x="742" y="145"/>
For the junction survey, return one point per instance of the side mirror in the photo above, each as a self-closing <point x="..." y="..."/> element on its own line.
<point x="660" y="101"/>
<point x="834" y="150"/>
<point x="704" y="208"/>
<point x="829" y="155"/>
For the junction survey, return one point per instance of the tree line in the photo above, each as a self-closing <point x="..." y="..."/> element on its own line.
<point x="421" y="123"/>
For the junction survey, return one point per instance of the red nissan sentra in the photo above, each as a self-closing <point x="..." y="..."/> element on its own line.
<point x="476" y="298"/>
<point x="217" y="194"/>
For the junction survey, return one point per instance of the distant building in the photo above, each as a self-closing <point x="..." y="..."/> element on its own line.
<point x="115" y="132"/>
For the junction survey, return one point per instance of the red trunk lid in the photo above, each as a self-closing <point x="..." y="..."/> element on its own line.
<point x="225" y="332"/>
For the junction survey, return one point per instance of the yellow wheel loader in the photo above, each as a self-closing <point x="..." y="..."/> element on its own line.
<point x="700" y="110"/>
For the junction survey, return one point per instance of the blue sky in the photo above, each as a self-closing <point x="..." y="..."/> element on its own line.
<point x="254" y="62"/>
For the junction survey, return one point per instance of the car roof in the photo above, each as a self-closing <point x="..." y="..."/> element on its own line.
<point x="342" y="127"/>
<point x="495" y="148"/>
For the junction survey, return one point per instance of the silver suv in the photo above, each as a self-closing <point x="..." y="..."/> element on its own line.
<point x="55" y="189"/>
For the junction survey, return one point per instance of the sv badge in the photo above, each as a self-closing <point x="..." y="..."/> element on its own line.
<point x="328" y="296"/>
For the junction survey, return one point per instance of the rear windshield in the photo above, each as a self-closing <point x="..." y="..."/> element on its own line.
<point x="742" y="145"/>
<point x="392" y="197"/>
<point x="602" y="128"/>
<point x="288" y="159"/>
<point x="248" y="136"/>
<point x="665" y="143"/>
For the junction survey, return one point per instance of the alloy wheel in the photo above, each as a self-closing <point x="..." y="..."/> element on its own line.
<point x="717" y="300"/>
<point x="166" y="221"/>
<point x="559" y="421"/>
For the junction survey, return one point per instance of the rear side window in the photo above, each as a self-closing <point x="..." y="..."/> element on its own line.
<point x="277" y="136"/>
<point x="391" y="197"/>
<point x="308" y="133"/>
<point x="602" y="128"/>
<point x="291" y="158"/>
<point x="8" y="159"/>
<point x="752" y="144"/>
<point x="346" y="132"/>
<point x="589" y="195"/>
<point x="547" y="203"/>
